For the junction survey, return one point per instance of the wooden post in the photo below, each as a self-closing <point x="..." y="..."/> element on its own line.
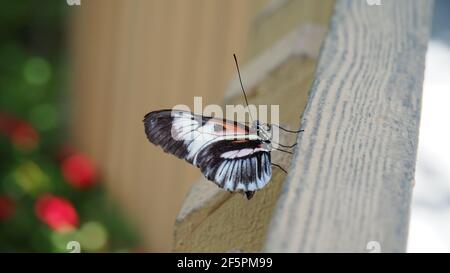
<point x="350" y="181"/>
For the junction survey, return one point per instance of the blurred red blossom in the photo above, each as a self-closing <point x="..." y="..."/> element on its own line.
<point x="7" y="207"/>
<point x="22" y="134"/>
<point x="79" y="171"/>
<point x="57" y="212"/>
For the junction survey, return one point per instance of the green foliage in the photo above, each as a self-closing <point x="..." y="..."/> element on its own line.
<point x="33" y="77"/>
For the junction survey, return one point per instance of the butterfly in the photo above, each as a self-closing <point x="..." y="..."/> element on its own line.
<point x="235" y="156"/>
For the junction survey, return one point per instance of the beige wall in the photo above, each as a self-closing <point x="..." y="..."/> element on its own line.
<point x="132" y="57"/>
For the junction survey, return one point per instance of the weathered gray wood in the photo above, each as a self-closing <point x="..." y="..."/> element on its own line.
<point x="351" y="179"/>
<point x="282" y="55"/>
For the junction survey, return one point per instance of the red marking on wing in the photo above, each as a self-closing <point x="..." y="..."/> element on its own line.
<point x="229" y="128"/>
<point x="240" y="141"/>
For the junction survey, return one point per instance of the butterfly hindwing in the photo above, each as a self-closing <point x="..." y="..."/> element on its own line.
<point x="236" y="165"/>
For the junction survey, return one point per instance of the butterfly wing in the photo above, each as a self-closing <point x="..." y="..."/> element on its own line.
<point x="236" y="165"/>
<point x="226" y="152"/>
<point x="184" y="134"/>
<point x="161" y="127"/>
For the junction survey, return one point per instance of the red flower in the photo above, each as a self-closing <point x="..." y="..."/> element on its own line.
<point x="7" y="207"/>
<point x="57" y="212"/>
<point x="79" y="171"/>
<point x="21" y="133"/>
<point x="24" y="136"/>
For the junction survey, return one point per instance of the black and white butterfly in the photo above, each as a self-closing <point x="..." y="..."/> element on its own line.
<point x="233" y="155"/>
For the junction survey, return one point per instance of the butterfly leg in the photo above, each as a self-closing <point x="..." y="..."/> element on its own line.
<point x="289" y="131"/>
<point x="281" y="168"/>
<point x="286" y="146"/>
<point x="284" y="151"/>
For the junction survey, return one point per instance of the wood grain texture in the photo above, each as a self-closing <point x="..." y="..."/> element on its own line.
<point x="351" y="179"/>
<point x="283" y="56"/>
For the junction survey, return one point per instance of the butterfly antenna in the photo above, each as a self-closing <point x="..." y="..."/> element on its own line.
<point x="278" y="166"/>
<point x="242" y="86"/>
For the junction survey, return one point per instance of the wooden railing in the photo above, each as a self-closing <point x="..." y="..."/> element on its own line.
<point x="351" y="178"/>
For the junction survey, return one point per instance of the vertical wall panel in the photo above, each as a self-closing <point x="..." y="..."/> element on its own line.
<point x="132" y="57"/>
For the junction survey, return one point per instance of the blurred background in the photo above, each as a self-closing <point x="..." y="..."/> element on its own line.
<point x="430" y="219"/>
<point x="75" y="83"/>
